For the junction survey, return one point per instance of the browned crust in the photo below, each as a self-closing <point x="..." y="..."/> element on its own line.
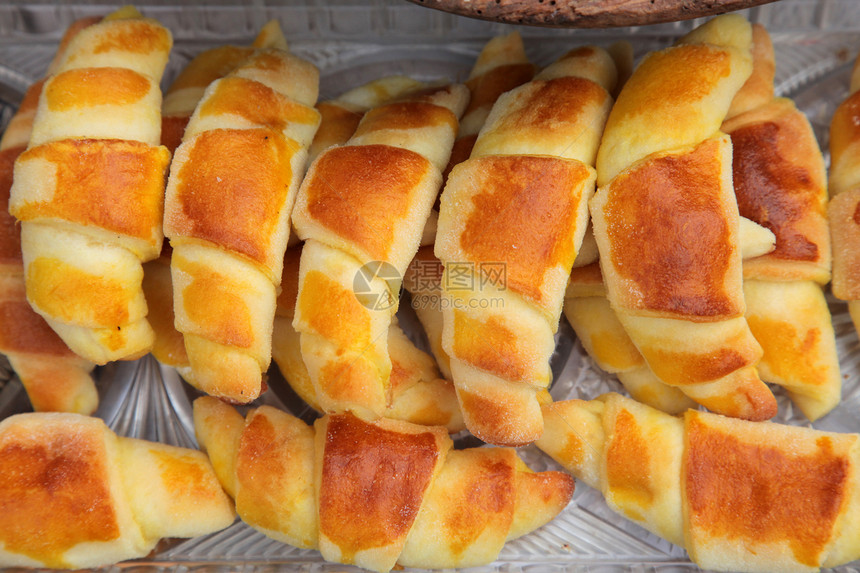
<point x="779" y="182"/>
<point x="256" y="103"/>
<point x="761" y="493"/>
<point x="10" y="234"/>
<point x="172" y="130"/>
<point x="525" y="216"/>
<point x="672" y="243"/>
<point x="361" y="192"/>
<point x="110" y="184"/>
<point x="83" y="88"/>
<point x="406" y="115"/>
<point x="55" y="493"/>
<point x="373" y="481"/>
<point x="232" y="188"/>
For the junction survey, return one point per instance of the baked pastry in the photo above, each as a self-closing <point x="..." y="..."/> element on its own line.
<point x="180" y="101"/>
<point x="89" y="189"/>
<point x="227" y="214"/>
<point x="500" y="66"/>
<point x="738" y="495"/>
<point x="375" y="494"/>
<point x="844" y="189"/>
<point x="75" y="495"/>
<point x="418" y="393"/>
<point x="666" y="220"/>
<point x="361" y="210"/>
<point x="603" y="337"/>
<point x="55" y="378"/>
<point x="511" y="220"/>
<point x="423" y="282"/>
<point x="780" y="183"/>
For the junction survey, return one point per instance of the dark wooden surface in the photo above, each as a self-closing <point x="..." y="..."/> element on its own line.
<point x="587" y="13"/>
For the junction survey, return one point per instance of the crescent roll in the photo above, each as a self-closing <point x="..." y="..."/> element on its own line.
<point x="227" y="214"/>
<point x="603" y="337"/>
<point x="75" y="495"/>
<point x="738" y="495"/>
<point x="180" y="101"/>
<point x="511" y="220"/>
<point x="780" y="182"/>
<point x="55" y="378"/>
<point x="375" y="494"/>
<point x="500" y="66"/>
<point x="418" y="393"/>
<point x="666" y="220"/>
<point x="361" y="211"/>
<point x="89" y="189"/>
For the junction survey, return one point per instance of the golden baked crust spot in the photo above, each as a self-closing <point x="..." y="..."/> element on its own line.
<point x="628" y="467"/>
<point x="257" y="103"/>
<point x="406" y="115"/>
<point x="524" y="216"/>
<point x="10" y="234"/>
<point x="139" y="37"/>
<point x="373" y="482"/>
<point x="361" y="192"/>
<point x="490" y="346"/>
<point x="30" y="332"/>
<point x="741" y="491"/>
<point x="334" y="312"/>
<point x="670" y="235"/>
<point x="774" y="193"/>
<point x="110" y="184"/>
<point x="88" y="87"/>
<point x="214" y="308"/>
<point x="54" y="496"/>
<point x="232" y="189"/>
<point x="59" y="289"/>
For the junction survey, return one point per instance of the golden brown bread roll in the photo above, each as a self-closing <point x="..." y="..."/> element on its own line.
<point x="418" y="393"/>
<point x="361" y="210"/>
<point x="780" y="183"/>
<point x="738" y="495"/>
<point x="375" y="494"/>
<point x="500" y="66"/>
<point x="227" y="213"/>
<point x="667" y="225"/>
<point x="75" y="495"/>
<point x="180" y="101"/>
<point x="603" y="336"/>
<point x="55" y="378"/>
<point x="89" y="189"/>
<point x="512" y="218"/>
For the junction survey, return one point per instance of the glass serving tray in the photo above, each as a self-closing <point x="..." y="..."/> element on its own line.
<point x="352" y="43"/>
